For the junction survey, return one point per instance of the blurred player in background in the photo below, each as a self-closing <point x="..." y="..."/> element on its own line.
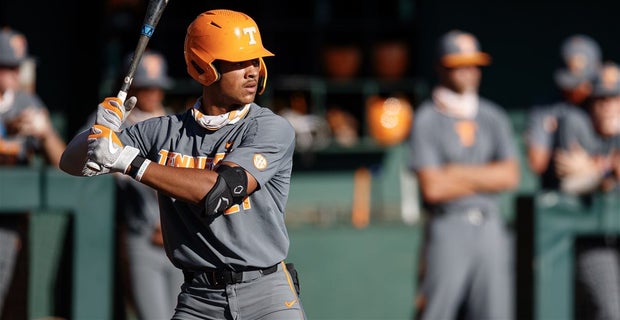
<point x="581" y="59"/>
<point x="26" y="134"/>
<point x="587" y="161"/>
<point x="155" y="282"/>
<point x="464" y="155"/>
<point x="152" y="281"/>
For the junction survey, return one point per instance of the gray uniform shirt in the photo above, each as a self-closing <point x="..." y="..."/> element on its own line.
<point x="437" y="139"/>
<point x="252" y="234"/>
<point x="544" y="133"/>
<point x="540" y="131"/>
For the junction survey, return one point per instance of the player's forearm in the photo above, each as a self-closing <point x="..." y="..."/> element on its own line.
<point x="493" y="177"/>
<point x="74" y="156"/>
<point x="456" y="180"/>
<point x="538" y="159"/>
<point x="186" y="184"/>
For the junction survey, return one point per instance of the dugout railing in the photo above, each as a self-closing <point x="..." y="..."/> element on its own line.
<point x="551" y="227"/>
<point x="88" y="203"/>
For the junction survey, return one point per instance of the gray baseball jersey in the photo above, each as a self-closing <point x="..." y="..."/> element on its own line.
<point x="437" y="139"/>
<point x="543" y="121"/>
<point x="542" y="131"/>
<point x="252" y="234"/>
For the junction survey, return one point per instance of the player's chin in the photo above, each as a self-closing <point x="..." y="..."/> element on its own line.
<point x="247" y="97"/>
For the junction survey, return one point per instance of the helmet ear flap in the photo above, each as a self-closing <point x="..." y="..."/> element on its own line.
<point x="262" y="76"/>
<point x="207" y="75"/>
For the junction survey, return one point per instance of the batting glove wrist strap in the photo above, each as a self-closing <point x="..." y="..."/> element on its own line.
<point x="138" y="167"/>
<point x="106" y="152"/>
<point x="123" y="162"/>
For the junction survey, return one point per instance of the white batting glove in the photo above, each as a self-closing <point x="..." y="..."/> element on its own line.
<point x="112" y="112"/>
<point x="106" y="153"/>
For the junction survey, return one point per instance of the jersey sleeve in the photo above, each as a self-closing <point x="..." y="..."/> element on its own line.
<point x="143" y="135"/>
<point x="537" y="132"/>
<point x="423" y="147"/>
<point x="266" y="148"/>
<point x="576" y="129"/>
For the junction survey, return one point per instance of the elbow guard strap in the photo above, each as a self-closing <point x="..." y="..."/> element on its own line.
<point x="229" y="189"/>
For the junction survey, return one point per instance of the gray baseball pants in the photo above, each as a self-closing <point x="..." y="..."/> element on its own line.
<point x="468" y="259"/>
<point x="267" y="297"/>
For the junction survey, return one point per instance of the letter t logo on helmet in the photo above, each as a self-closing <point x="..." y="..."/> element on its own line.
<point x="223" y="35"/>
<point x="250" y="31"/>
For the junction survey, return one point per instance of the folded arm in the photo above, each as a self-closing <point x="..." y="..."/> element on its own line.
<point x="452" y="181"/>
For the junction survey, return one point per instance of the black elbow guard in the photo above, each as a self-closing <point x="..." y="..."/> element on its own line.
<point x="229" y="189"/>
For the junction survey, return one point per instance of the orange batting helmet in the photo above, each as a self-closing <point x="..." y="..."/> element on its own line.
<point x="223" y="35"/>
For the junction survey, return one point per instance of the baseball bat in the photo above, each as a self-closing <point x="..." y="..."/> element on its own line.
<point x="154" y="11"/>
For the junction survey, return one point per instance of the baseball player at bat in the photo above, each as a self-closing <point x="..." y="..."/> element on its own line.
<point x="222" y="170"/>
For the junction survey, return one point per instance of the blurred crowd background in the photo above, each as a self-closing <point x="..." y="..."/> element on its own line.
<point x="78" y="44"/>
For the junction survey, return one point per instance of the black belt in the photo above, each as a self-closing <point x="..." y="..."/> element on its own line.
<point x="221" y="278"/>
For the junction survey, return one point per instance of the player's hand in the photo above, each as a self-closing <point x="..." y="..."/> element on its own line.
<point x="574" y="162"/>
<point x="106" y="153"/>
<point x="34" y="122"/>
<point x="112" y="112"/>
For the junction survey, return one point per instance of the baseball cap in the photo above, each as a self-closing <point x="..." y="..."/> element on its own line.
<point x="607" y="82"/>
<point x="581" y="56"/>
<point x="152" y="71"/>
<point x="13" y="48"/>
<point x="458" y="48"/>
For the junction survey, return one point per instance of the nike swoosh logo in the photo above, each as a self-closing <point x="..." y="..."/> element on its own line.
<point x="289" y="304"/>
<point x="113" y="149"/>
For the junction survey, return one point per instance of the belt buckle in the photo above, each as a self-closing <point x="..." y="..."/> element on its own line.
<point x="220" y="279"/>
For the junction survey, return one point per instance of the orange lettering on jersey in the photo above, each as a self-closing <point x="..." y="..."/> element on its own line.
<point x="200" y="162"/>
<point x="466" y="130"/>
<point x="163" y="157"/>
<point x="246" y="203"/>
<point x="184" y="161"/>
<point x="218" y="158"/>
<point x="174" y="159"/>
<point x="231" y="210"/>
<point x="235" y="208"/>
